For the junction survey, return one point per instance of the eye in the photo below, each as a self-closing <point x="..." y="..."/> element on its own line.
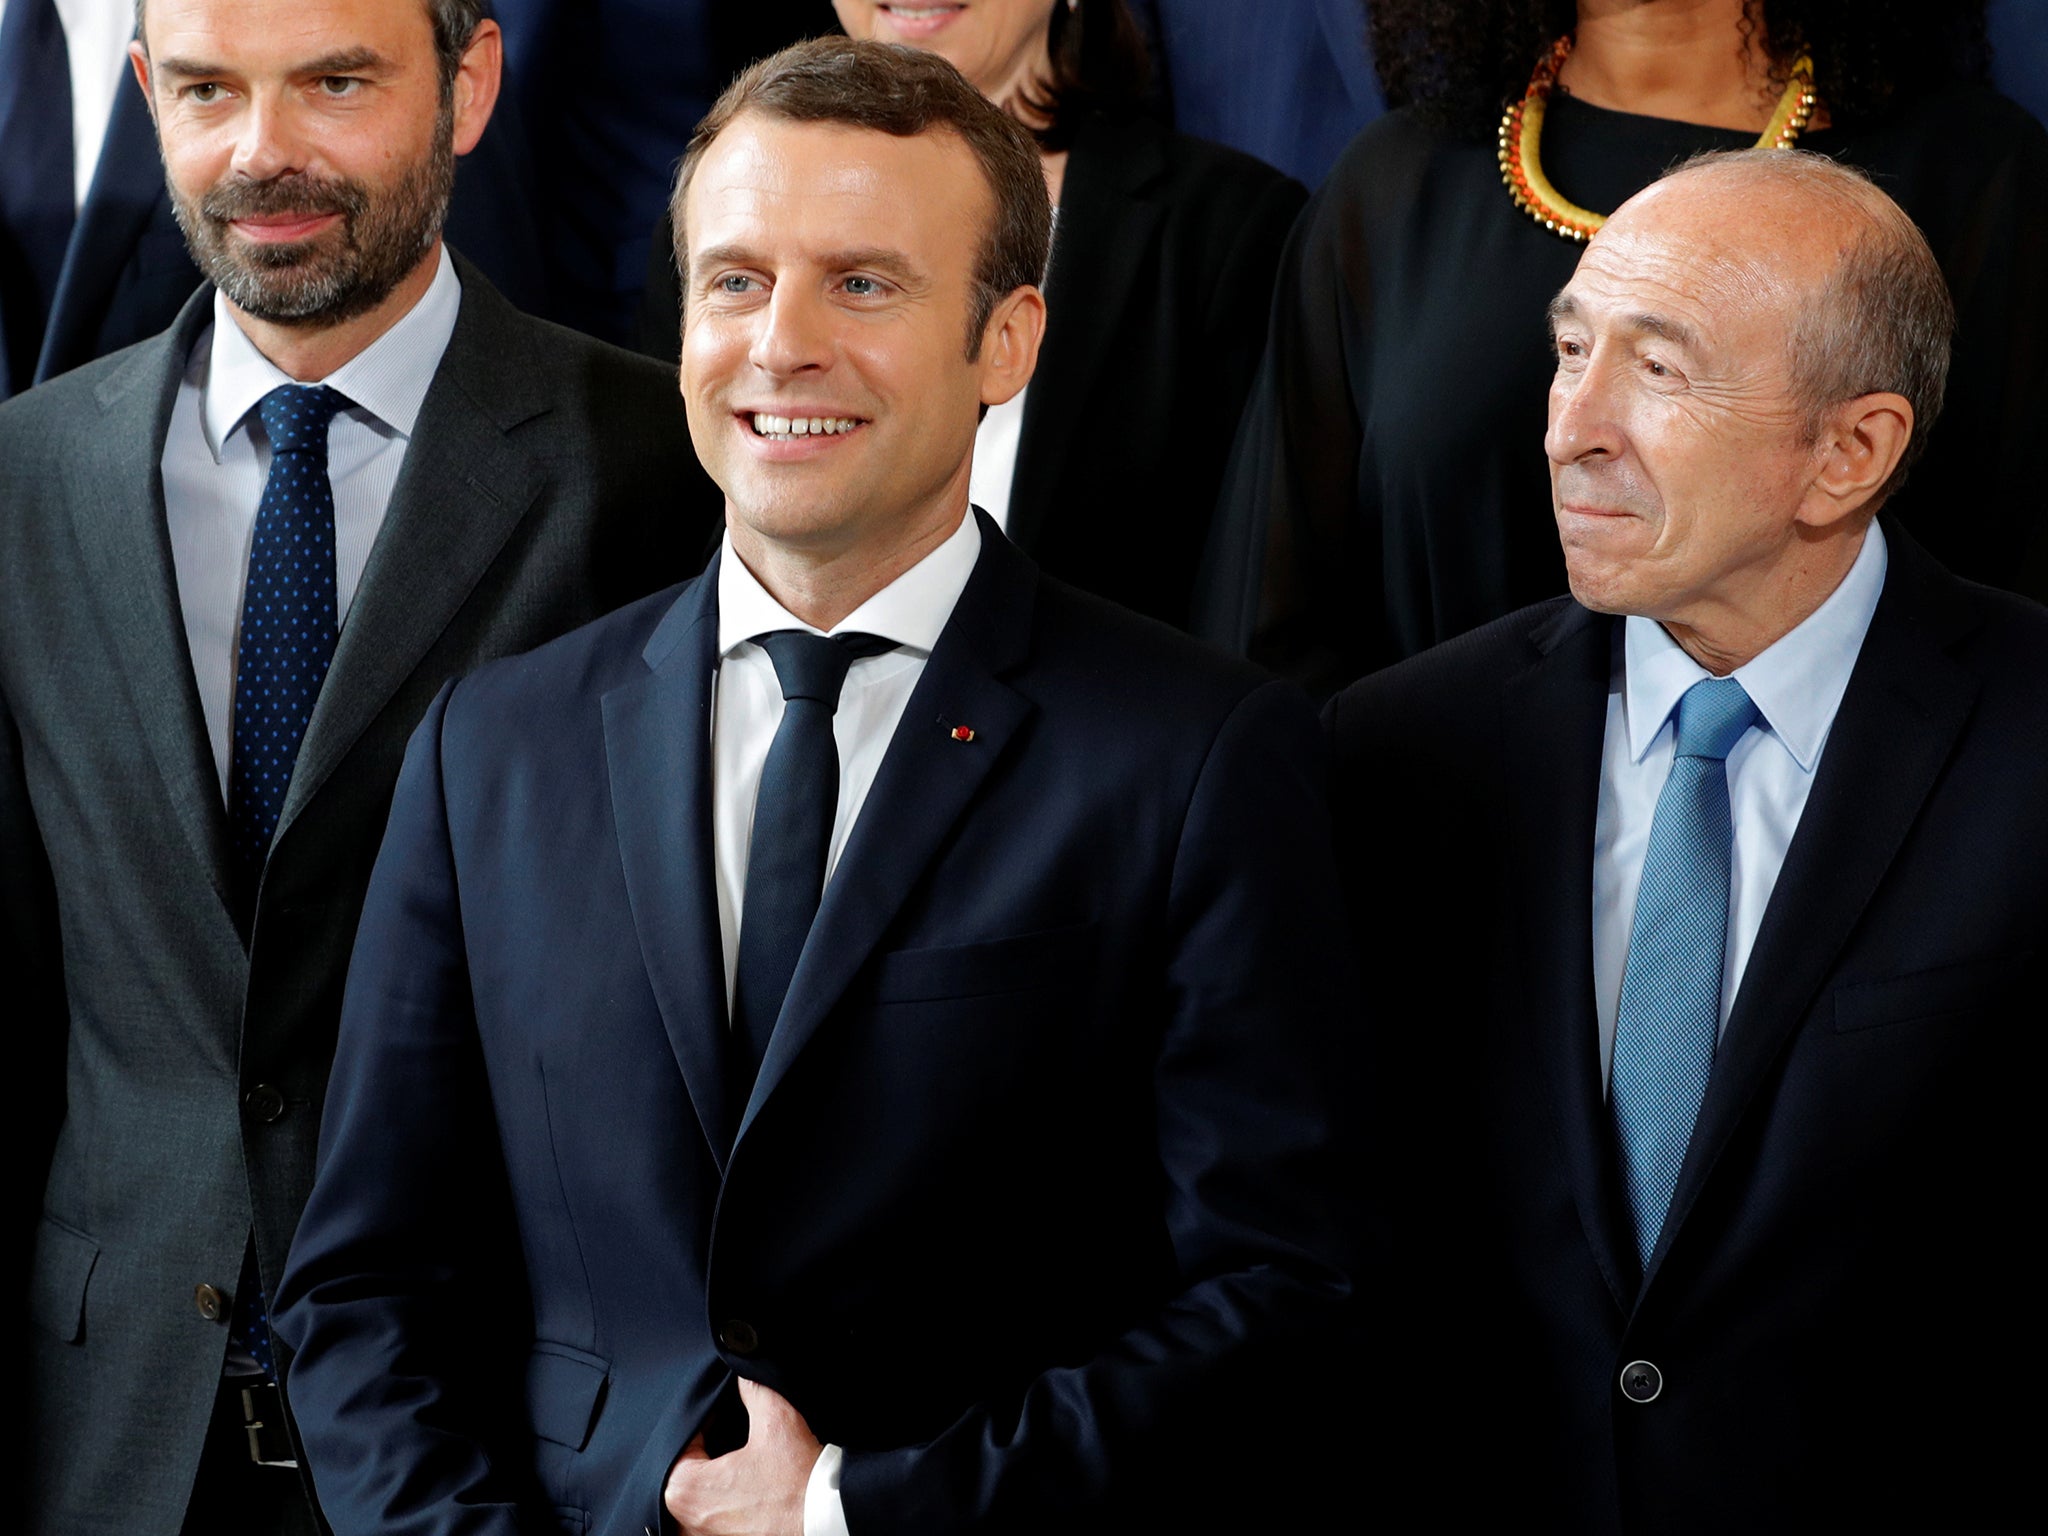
<point x="1655" y="369"/>
<point x="204" y="92"/>
<point x="864" y="287"/>
<point x="733" y="282"/>
<point x="339" y="86"/>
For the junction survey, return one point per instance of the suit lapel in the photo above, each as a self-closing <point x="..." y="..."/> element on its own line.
<point x="117" y="507"/>
<point x="1904" y="709"/>
<point x="926" y="781"/>
<point x="1554" y="722"/>
<point x="127" y="185"/>
<point x="657" y="736"/>
<point x="1105" y="233"/>
<point x="463" y="488"/>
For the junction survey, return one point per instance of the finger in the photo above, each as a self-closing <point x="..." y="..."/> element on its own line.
<point x="694" y="1451"/>
<point x="759" y="1399"/>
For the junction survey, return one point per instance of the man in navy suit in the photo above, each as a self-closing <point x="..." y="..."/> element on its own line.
<point x="997" y="1188"/>
<point x="1700" y="1153"/>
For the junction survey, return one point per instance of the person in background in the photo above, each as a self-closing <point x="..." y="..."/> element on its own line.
<point x="1290" y="81"/>
<point x="1106" y="469"/>
<point x="855" y="1042"/>
<point x="90" y="255"/>
<point x="236" y="561"/>
<point x="1384" y="495"/>
<point x="1709" y="908"/>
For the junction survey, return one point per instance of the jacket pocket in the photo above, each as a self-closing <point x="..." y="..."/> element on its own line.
<point x="564" y="1393"/>
<point x="62" y="1270"/>
<point x="1022" y="963"/>
<point x="1942" y="991"/>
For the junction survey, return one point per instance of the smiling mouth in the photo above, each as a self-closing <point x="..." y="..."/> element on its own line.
<point x="920" y="15"/>
<point x="282" y="226"/>
<point x="787" y="429"/>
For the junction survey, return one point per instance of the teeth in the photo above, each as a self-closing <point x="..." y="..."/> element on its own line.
<point x="784" y="428"/>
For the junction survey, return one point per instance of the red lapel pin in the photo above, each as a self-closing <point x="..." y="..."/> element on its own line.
<point x="963" y="733"/>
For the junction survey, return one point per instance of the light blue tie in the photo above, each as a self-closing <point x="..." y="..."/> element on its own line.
<point x="1670" y="1015"/>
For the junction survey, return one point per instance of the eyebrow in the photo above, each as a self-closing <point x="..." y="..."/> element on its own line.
<point x="1677" y="332"/>
<point x="892" y="264"/>
<point x="343" y="61"/>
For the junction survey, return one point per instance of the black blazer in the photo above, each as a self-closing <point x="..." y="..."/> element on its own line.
<point x="1159" y="293"/>
<point x="1031" y="1207"/>
<point x="1834" y="1308"/>
<point x="171" y="1045"/>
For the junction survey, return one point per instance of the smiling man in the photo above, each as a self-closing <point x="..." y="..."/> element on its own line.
<point x="236" y="561"/>
<point x="875" y="1012"/>
<point x="1723" y="915"/>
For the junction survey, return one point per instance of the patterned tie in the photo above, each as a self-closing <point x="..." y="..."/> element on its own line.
<point x="1670" y="1015"/>
<point x="36" y="199"/>
<point x="792" y="830"/>
<point x="288" y="616"/>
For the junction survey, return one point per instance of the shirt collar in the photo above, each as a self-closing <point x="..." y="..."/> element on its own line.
<point x="1796" y="684"/>
<point x="911" y="610"/>
<point x="387" y="380"/>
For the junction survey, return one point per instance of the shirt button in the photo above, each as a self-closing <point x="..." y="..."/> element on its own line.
<point x="212" y="1305"/>
<point x="738" y="1337"/>
<point x="1641" y="1382"/>
<point x="264" y="1103"/>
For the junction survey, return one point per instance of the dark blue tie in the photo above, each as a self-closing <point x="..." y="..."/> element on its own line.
<point x="36" y="199"/>
<point x="792" y="830"/>
<point x="1669" y="1019"/>
<point x="288" y="616"/>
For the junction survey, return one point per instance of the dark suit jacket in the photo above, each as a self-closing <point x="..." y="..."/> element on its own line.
<point x="1833" y="1306"/>
<point x="1161" y="283"/>
<point x="127" y="273"/>
<point x="549" y="478"/>
<point x="1031" y="1206"/>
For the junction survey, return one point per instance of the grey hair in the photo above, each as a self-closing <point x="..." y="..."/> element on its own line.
<point x="455" y="23"/>
<point x="1881" y="319"/>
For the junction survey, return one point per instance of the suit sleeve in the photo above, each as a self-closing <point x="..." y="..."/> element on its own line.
<point x="401" y="1259"/>
<point x="1222" y="1406"/>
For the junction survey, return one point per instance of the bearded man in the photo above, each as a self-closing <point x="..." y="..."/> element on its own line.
<point x="236" y="562"/>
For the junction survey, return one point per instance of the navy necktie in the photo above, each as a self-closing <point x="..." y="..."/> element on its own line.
<point x="792" y="833"/>
<point x="288" y="616"/>
<point x="1669" y="1019"/>
<point x="36" y="200"/>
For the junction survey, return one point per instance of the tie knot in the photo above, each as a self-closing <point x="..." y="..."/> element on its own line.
<point x="295" y="416"/>
<point x="812" y="666"/>
<point x="1712" y="716"/>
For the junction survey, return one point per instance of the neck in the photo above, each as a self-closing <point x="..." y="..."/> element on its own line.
<point x="1740" y="626"/>
<point x="1687" y="60"/>
<point x="311" y="353"/>
<point x="822" y="584"/>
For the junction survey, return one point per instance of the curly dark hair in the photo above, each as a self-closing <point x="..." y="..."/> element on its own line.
<point x="1457" y="62"/>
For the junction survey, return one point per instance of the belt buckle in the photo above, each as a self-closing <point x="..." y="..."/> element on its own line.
<point x="270" y="1444"/>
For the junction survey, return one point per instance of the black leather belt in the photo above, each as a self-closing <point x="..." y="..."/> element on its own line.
<point x="261" y="1405"/>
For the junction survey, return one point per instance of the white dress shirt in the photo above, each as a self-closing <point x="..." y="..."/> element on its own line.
<point x="96" y="34"/>
<point x="1797" y="686"/>
<point x="995" y="448"/>
<point x="216" y="457"/>
<point x="746" y="711"/>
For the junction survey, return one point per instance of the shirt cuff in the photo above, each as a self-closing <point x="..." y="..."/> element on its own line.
<point x="824" y="1515"/>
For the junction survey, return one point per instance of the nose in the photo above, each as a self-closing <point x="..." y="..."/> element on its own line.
<point x="269" y="144"/>
<point x="1583" y="420"/>
<point x="794" y="335"/>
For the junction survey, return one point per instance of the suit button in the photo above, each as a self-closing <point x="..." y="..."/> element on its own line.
<point x="1641" y="1382"/>
<point x="211" y="1304"/>
<point x="264" y="1103"/>
<point x="738" y="1337"/>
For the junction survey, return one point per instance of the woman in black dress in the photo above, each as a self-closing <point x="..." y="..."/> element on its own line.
<point x="1389" y="487"/>
<point x="1106" y="470"/>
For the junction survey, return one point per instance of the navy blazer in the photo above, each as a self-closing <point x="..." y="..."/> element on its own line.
<point x="1834" y="1309"/>
<point x="1034" y="1203"/>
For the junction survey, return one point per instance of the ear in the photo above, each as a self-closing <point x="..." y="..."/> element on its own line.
<point x="138" y="60"/>
<point x="1859" y="447"/>
<point x="1009" y="345"/>
<point x="477" y="79"/>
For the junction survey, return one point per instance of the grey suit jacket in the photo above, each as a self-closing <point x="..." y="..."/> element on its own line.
<point x="172" y="1044"/>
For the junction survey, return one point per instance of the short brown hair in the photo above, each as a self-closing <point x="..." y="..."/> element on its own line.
<point x="1881" y="320"/>
<point x="455" y="23"/>
<point x="903" y="92"/>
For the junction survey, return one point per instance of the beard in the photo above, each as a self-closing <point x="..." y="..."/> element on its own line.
<point x="345" y="270"/>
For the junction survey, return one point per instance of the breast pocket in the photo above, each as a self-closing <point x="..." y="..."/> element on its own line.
<point x="62" y="1270"/>
<point x="1926" y="997"/>
<point x="1054" y="957"/>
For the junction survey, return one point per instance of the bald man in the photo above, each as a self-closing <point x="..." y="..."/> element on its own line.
<point x="1721" y="898"/>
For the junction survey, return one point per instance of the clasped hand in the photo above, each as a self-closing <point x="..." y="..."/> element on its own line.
<point x="757" y="1490"/>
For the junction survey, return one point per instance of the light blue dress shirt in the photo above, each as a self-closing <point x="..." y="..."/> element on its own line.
<point x="1797" y="686"/>
<point x="216" y="458"/>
